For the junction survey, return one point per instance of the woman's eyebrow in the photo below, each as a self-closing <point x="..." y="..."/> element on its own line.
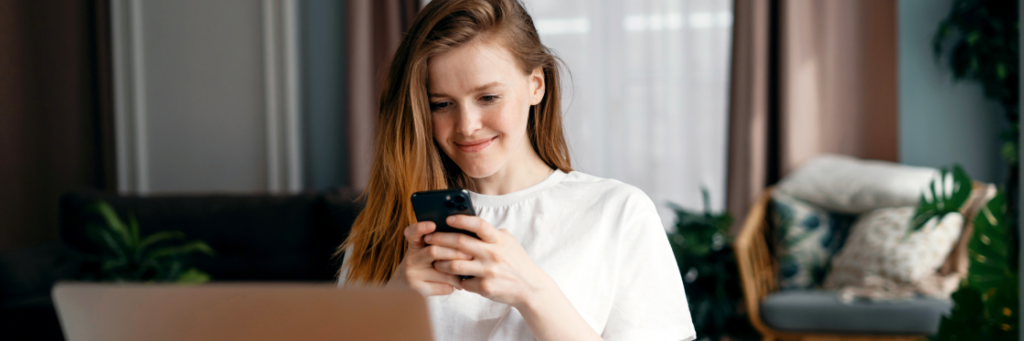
<point x="488" y="86"/>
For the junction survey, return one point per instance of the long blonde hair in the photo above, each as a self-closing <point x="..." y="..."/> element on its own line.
<point x="407" y="160"/>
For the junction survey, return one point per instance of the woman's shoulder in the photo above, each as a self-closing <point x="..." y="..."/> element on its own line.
<point x="606" y="190"/>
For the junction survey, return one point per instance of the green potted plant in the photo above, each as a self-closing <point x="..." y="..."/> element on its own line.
<point x="125" y="256"/>
<point x="985" y="305"/>
<point x="707" y="263"/>
<point x="979" y="39"/>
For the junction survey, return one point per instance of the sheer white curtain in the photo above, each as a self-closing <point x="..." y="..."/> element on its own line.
<point x="648" y="101"/>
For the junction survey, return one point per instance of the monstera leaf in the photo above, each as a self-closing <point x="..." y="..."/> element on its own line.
<point x="943" y="198"/>
<point x="992" y="272"/>
<point x="985" y="306"/>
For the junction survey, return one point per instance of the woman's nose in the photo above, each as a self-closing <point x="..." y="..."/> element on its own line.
<point x="469" y="120"/>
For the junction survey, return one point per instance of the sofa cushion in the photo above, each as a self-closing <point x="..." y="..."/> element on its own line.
<point x="880" y="245"/>
<point x="805" y="238"/>
<point x="849" y="185"/>
<point x="822" y="312"/>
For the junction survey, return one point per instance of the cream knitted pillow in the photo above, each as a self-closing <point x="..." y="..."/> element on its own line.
<point x="878" y="245"/>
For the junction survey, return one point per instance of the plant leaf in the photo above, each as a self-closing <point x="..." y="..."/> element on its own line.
<point x="989" y="249"/>
<point x="187" y="248"/>
<point x="112" y="264"/>
<point x="104" y="237"/>
<point x="962" y="186"/>
<point x="193" y="276"/>
<point x="133" y="226"/>
<point x="173" y="271"/>
<point x="113" y="222"/>
<point x="944" y="199"/>
<point x="158" y="237"/>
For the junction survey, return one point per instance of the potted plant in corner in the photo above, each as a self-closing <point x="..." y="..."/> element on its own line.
<point x="707" y="263"/>
<point x="125" y="256"/>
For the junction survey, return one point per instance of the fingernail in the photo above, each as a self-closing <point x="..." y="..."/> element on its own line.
<point x="427" y="237"/>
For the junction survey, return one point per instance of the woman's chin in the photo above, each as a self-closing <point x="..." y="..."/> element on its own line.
<point x="479" y="171"/>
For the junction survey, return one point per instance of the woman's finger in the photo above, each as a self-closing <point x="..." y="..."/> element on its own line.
<point x="481" y="227"/>
<point x="414" y="233"/>
<point x="458" y="241"/>
<point x="432" y="275"/>
<point x="460" y="267"/>
<point x="431" y="253"/>
<point x="441" y="252"/>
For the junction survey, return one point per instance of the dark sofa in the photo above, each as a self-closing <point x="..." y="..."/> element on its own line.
<point x="256" y="237"/>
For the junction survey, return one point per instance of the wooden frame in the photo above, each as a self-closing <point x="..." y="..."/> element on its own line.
<point x="758" y="268"/>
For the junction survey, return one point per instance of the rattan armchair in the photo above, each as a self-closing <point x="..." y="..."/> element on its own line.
<point x="758" y="268"/>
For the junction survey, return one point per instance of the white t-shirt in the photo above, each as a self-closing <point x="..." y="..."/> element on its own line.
<point x="601" y="241"/>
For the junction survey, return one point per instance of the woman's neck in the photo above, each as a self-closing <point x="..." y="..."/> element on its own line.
<point x="518" y="174"/>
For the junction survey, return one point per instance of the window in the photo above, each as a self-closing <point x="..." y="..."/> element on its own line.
<point x="647" y="104"/>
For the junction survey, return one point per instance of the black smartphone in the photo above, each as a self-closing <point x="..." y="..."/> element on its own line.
<point x="436" y="206"/>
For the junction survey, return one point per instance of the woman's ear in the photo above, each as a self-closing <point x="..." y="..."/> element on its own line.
<point x="536" y="86"/>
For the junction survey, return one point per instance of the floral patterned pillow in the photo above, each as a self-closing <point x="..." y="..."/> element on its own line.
<point x="805" y="238"/>
<point x="879" y="246"/>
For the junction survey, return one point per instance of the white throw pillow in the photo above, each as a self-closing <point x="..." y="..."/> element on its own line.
<point x="849" y="185"/>
<point x="878" y="245"/>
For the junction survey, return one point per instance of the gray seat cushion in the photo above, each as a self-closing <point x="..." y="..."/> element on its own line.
<point x="821" y="311"/>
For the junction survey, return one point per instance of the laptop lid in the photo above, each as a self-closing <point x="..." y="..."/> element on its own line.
<point x="254" y="311"/>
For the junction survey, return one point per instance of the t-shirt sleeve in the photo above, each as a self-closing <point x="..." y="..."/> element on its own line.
<point x="345" y="266"/>
<point x="649" y="302"/>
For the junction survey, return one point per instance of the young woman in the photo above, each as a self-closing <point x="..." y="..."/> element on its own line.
<point x="472" y="100"/>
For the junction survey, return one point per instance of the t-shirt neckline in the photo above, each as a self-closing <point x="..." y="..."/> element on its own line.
<point x="517" y="196"/>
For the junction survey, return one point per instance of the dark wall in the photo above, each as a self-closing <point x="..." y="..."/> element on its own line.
<point x="55" y="117"/>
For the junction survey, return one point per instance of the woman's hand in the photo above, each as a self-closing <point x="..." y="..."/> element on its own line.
<point x="502" y="270"/>
<point x="504" y="273"/>
<point x="416" y="270"/>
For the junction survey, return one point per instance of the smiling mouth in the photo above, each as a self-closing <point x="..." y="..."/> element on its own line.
<point x="475" y="146"/>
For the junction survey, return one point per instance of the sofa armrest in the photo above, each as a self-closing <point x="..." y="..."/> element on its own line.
<point x="757" y="267"/>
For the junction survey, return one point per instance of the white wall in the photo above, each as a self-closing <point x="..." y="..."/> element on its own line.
<point x="205" y="96"/>
<point x="942" y="122"/>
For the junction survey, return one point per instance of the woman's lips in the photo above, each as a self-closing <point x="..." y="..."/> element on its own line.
<point x="474" y="146"/>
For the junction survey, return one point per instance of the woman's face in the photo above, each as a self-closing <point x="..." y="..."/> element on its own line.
<point x="480" y="105"/>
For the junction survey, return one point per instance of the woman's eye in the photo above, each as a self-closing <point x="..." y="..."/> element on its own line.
<point x="489" y="98"/>
<point x="439" y="106"/>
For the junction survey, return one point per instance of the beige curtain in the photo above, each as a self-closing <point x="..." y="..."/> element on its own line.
<point x="748" y="107"/>
<point x="375" y="29"/>
<point x="834" y="89"/>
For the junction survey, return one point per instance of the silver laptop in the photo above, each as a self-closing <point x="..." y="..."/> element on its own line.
<point x="251" y="312"/>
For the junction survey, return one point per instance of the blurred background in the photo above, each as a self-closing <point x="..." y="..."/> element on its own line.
<point x="236" y="119"/>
